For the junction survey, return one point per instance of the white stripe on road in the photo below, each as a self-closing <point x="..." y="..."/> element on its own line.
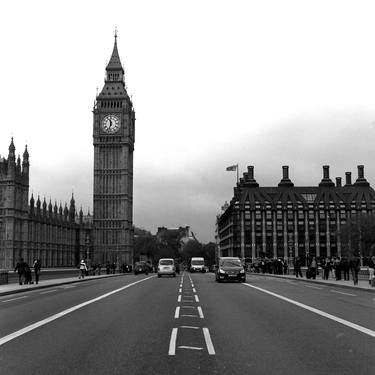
<point x="316" y="311"/>
<point x="180" y="290"/>
<point x="196" y="298"/>
<point x="346" y="294"/>
<point x="312" y="287"/>
<point x="179" y="298"/>
<point x="190" y="347"/>
<point x="188" y="307"/>
<point x="177" y="313"/>
<point x="13" y="299"/>
<point x="190" y="327"/>
<point x="207" y="337"/>
<point x="31" y="327"/>
<point x="194" y="290"/>
<point x="49" y="291"/>
<point x="200" y="312"/>
<point x="189" y="316"/>
<point x="172" y="342"/>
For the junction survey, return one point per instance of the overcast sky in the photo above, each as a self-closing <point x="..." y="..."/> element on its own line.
<point x="214" y="83"/>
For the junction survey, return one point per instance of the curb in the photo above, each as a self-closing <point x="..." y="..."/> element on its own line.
<point x="39" y="286"/>
<point x="355" y="287"/>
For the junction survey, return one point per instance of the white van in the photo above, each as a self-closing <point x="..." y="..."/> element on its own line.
<point x="197" y="265"/>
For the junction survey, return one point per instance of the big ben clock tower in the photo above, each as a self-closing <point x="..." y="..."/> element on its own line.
<point x="113" y="134"/>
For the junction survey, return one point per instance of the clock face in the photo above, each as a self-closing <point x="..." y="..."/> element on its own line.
<point x="111" y="124"/>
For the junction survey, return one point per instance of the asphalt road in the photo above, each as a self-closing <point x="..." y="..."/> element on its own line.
<point x="188" y="325"/>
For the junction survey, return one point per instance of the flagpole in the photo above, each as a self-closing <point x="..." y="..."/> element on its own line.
<point x="237" y="174"/>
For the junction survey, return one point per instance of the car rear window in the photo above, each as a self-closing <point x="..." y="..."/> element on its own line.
<point x="230" y="263"/>
<point x="166" y="262"/>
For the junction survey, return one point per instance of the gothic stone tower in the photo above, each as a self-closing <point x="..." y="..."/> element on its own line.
<point x="14" y="192"/>
<point x="113" y="133"/>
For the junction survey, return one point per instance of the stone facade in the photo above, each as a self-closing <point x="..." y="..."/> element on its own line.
<point x="288" y="221"/>
<point x="113" y="138"/>
<point x="34" y="229"/>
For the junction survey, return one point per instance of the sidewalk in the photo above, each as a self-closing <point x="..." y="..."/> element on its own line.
<point x="16" y="288"/>
<point x="362" y="284"/>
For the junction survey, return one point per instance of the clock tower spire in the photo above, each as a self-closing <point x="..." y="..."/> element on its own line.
<point x="113" y="139"/>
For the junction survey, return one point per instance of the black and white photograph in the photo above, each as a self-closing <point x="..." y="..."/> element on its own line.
<point x="187" y="187"/>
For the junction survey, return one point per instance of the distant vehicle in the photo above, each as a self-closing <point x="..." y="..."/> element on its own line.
<point x="197" y="265"/>
<point x="230" y="268"/>
<point x="166" y="266"/>
<point x="142" y="267"/>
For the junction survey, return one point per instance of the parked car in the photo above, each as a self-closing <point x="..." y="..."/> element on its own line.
<point x="142" y="267"/>
<point x="230" y="268"/>
<point x="166" y="266"/>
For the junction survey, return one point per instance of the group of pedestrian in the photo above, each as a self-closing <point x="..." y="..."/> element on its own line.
<point x="277" y="266"/>
<point x="24" y="271"/>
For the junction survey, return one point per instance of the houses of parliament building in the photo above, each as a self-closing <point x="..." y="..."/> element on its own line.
<point x="31" y="227"/>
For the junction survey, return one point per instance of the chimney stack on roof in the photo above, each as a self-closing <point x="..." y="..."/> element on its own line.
<point x="338" y="181"/>
<point x="286" y="180"/>
<point x="326" y="181"/>
<point x="361" y="181"/>
<point x="348" y="176"/>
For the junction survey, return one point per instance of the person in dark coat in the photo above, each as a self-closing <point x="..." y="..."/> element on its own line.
<point x="355" y="266"/>
<point x="297" y="267"/>
<point x="345" y="267"/>
<point x="37" y="267"/>
<point x="326" y="268"/>
<point x="21" y="269"/>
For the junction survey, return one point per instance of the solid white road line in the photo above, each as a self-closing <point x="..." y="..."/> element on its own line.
<point x="172" y="342"/>
<point x="200" y="312"/>
<point x="196" y="298"/>
<point x="189" y="327"/>
<point x="189" y="316"/>
<point x="31" y="327"/>
<point x="207" y="337"/>
<point x="177" y="312"/>
<point x="316" y="311"/>
<point x="188" y="307"/>
<point x="194" y="290"/>
<point x="346" y="294"/>
<point x="49" y="291"/>
<point x="179" y="298"/>
<point x="13" y="299"/>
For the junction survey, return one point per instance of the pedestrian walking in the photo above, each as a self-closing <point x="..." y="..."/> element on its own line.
<point x="82" y="269"/>
<point x="21" y="269"/>
<point x="345" y="267"/>
<point x="326" y="268"/>
<point x="297" y="267"/>
<point x="337" y="266"/>
<point x="313" y="267"/>
<point x="37" y="267"/>
<point x="355" y="266"/>
<point x="371" y="266"/>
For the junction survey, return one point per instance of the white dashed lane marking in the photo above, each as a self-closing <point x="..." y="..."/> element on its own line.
<point x="190" y="347"/>
<point x="346" y="294"/>
<point x="196" y="298"/>
<point x="49" y="291"/>
<point x="177" y="312"/>
<point x="13" y="299"/>
<point x="200" y="312"/>
<point x="312" y="287"/>
<point x="172" y="342"/>
<point x="207" y="337"/>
